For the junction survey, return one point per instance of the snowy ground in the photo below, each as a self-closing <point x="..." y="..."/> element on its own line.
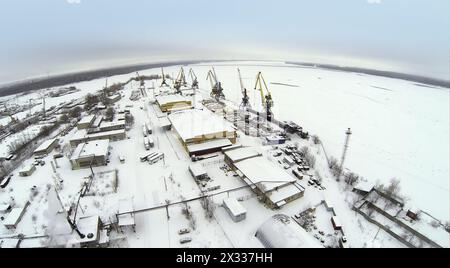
<point x="399" y="131"/>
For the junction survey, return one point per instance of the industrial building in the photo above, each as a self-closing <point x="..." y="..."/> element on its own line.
<point x="27" y="170"/>
<point x="280" y="231"/>
<point x="82" y="136"/>
<point x="93" y="153"/>
<point x="86" y="122"/>
<point x="274" y="185"/>
<point x="207" y="147"/>
<point x="236" y="211"/>
<point x="168" y="103"/>
<point x="46" y="147"/>
<point x="15" y="216"/>
<point x="112" y="99"/>
<point x="237" y="155"/>
<point x="200" y="126"/>
<point x="97" y="122"/>
<point x="108" y="126"/>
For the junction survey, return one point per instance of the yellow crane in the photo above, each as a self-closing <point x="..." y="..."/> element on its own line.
<point x="267" y="101"/>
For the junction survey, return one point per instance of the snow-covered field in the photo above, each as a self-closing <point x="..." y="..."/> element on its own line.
<point x="399" y="130"/>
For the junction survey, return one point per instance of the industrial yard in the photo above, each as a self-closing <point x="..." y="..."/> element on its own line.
<point x="224" y="154"/>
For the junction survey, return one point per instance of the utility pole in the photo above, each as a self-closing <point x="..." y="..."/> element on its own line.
<point x="347" y="139"/>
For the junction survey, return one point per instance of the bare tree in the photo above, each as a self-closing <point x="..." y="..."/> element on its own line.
<point x="110" y="113"/>
<point x="392" y="189"/>
<point x="351" y="178"/>
<point x="209" y="206"/>
<point x="304" y="150"/>
<point x="315" y="139"/>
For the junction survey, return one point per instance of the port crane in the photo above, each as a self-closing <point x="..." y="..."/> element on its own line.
<point x="216" y="86"/>
<point x="141" y="80"/>
<point x="245" y="99"/>
<point x="180" y="81"/>
<point x="163" y="83"/>
<point x="267" y="101"/>
<point x="194" y="79"/>
<point x="141" y="84"/>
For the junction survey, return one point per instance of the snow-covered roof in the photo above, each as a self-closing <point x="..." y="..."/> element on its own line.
<point x="91" y="148"/>
<point x="14" y="216"/>
<point x="234" y="206"/>
<point x="280" y="231"/>
<point x="197" y="169"/>
<point x="113" y="97"/>
<point x="87" y="119"/>
<point x="86" y="225"/>
<point x="112" y="124"/>
<point x="97" y="121"/>
<point x="165" y="99"/>
<point x="364" y="186"/>
<point x="267" y="174"/>
<point x="164" y="122"/>
<point x="27" y="168"/>
<point x="242" y="153"/>
<point x="285" y="192"/>
<point x="82" y="134"/>
<point x="196" y="123"/>
<point x="208" y="145"/>
<point x="44" y="146"/>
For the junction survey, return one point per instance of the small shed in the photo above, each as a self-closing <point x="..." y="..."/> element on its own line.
<point x="413" y="213"/>
<point x="236" y="211"/>
<point x="27" y="170"/>
<point x="198" y="172"/>
<point x="363" y="187"/>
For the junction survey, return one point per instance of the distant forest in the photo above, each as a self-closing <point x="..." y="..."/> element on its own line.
<point x="414" y="78"/>
<point x="64" y="79"/>
<point x="70" y="78"/>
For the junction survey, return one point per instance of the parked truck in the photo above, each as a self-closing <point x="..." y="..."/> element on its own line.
<point x="146" y="143"/>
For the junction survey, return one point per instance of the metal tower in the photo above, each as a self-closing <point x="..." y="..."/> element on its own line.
<point x="347" y="139"/>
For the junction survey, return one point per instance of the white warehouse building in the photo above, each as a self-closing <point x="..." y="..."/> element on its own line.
<point x="280" y="231"/>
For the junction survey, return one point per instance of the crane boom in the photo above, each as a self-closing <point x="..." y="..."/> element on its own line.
<point x="163" y="78"/>
<point x="266" y="100"/>
<point x="245" y="99"/>
<point x="216" y="87"/>
<point x="194" y="78"/>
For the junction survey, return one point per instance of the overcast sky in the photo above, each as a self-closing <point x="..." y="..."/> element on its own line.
<point x="40" y="37"/>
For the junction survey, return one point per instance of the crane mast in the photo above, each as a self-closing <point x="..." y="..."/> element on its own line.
<point x="245" y="99"/>
<point x="141" y="80"/>
<point x="266" y="100"/>
<point x="180" y="81"/>
<point x="163" y="83"/>
<point x="216" y="86"/>
<point x="194" y="78"/>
